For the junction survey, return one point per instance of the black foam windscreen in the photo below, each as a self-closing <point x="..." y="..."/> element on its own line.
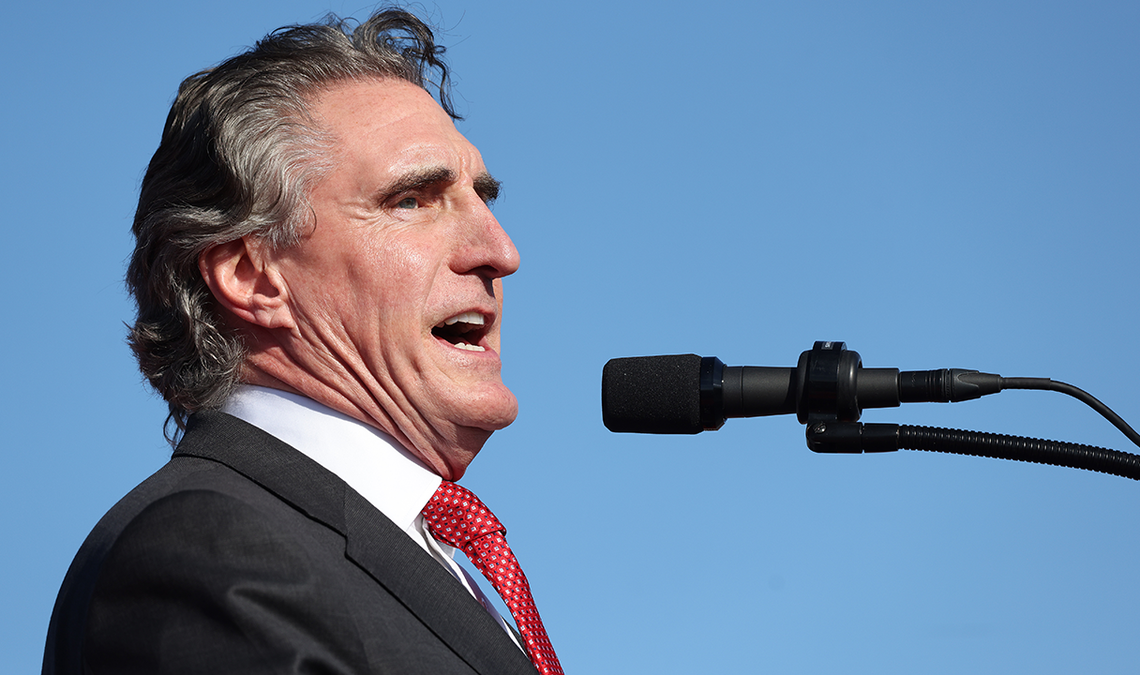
<point x="653" y="394"/>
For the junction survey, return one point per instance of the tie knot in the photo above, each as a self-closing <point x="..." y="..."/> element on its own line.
<point x="456" y="516"/>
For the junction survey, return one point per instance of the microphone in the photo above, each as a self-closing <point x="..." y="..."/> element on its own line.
<point x="688" y="394"/>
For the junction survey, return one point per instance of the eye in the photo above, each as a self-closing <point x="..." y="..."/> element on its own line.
<point x="408" y="203"/>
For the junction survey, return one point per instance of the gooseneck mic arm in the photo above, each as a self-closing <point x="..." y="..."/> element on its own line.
<point x="828" y="390"/>
<point x="857" y="437"/>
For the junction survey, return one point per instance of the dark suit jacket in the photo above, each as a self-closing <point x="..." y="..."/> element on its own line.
<point x="242" y="555"/>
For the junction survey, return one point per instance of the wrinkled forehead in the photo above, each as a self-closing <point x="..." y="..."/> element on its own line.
<point x="361" y="107"/>
<point x="391" y="122"/>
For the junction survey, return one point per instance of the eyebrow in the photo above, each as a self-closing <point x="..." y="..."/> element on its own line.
<point x="485" y="186"/>
<point x="417" y="180"/>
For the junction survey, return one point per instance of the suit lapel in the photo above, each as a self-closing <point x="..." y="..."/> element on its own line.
<point x="429" y="591"/>
<point x="373" y="542"/>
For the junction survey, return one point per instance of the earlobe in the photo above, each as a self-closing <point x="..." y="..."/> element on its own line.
<point x="246" y="284"/>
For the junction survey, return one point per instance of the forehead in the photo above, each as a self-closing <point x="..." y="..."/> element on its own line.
<point x="393" y="118"/>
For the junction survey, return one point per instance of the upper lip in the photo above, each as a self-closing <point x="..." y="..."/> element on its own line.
<point x="470" y="316"/>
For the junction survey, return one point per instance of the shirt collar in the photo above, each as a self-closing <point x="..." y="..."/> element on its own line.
<point x="373" y="463"/>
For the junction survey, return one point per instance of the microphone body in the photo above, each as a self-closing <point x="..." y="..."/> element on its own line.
<point x="687" y="394"/>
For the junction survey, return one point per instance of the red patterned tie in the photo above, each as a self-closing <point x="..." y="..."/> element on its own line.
<point x="457" y="518"/>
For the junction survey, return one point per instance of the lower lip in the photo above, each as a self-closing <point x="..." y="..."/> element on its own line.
<point x="486" y="351"/>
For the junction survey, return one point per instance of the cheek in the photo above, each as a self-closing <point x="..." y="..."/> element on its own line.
<point x="395" y="283"/>
<point x="393" y="260"/>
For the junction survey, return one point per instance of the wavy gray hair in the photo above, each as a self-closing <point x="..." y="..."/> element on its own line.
<point x="238" y="155"/>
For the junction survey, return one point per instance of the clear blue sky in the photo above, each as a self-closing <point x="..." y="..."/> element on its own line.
<point x="937" y="184"/>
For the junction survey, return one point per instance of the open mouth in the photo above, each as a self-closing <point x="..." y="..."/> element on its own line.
<point x="465" y="331"/>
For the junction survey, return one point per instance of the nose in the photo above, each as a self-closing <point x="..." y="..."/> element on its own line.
<point x="489" y="251"/>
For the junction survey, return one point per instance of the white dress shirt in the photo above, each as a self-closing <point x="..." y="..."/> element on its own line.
<point x="373" y="463"/>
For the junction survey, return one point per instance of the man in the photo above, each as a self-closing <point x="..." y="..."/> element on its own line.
<point x="318" y="279"/>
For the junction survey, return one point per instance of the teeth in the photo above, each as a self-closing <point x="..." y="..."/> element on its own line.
<point x="474" y="318"/>
<point x="470" y="348"/>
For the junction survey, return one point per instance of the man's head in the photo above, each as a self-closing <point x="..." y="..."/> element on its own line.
<point x="313" y="221"/>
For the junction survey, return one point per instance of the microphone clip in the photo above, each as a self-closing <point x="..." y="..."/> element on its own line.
<point x="826" y="379"/>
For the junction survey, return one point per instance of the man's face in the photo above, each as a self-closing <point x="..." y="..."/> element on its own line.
<point x="396" y="293"/>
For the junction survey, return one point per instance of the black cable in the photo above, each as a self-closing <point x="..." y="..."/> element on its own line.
<point x="1045" y="384"/>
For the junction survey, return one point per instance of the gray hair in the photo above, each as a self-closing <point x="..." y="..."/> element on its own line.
<point x="237" y="158"/>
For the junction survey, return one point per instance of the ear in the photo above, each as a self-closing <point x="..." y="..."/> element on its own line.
<point x="246" y="283"/>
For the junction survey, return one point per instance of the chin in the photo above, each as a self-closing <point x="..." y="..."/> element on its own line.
<point x="474" y="428"/>
<point x="500" y="415"/>
<point x="491" y="409"/>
